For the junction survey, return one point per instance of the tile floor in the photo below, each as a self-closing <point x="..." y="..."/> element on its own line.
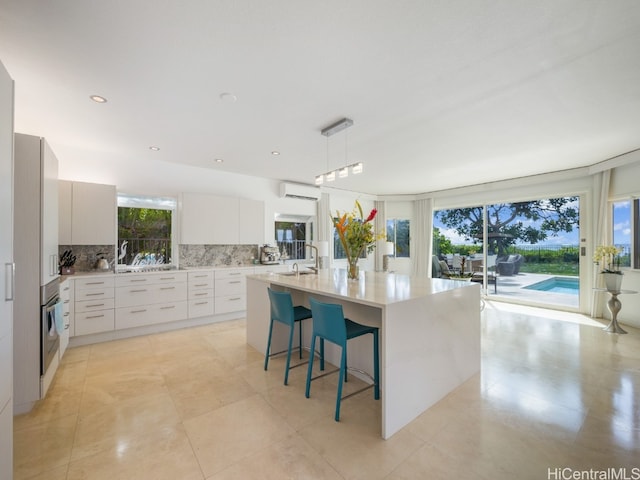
<point x="555" y="391"/>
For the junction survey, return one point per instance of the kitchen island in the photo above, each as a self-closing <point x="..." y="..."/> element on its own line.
<point x="429" y="331"/>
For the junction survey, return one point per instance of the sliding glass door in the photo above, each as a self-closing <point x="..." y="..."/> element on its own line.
<point x="524" y="251"/>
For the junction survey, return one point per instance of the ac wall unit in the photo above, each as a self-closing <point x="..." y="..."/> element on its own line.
<point x="303" y="192"/>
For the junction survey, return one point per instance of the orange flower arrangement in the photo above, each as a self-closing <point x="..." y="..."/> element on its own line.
<point x="356" y="235"/>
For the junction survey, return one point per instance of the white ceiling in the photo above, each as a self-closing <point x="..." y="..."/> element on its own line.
<point x="442" y="93"/>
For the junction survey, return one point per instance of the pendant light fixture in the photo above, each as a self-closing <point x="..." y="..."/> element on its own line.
<point x="341" y="172"/>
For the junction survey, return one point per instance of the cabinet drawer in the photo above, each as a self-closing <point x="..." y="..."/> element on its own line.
<point x="93" y="293"/>
<point x="231" y="303"/>
<point x="230" y="286"/>
<point x="201" y="307"/>
<point x="150" y="294"/>
<point x="94" y="305"/>
<point x="201" y="284"/>
<point x="200" y="294"/>
<point x="93" y="282"/>
<point x="94" y="322"/>
<point x="130" y="317"/>
<point x="131" y="279"/>
<point x="233" y="273"/>
<point x="200" y="275"/>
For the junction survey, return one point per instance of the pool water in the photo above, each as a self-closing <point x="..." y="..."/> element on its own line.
<point x="570" y="286"/>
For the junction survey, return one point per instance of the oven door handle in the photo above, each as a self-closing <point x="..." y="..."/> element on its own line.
<point x="9" y="281"/>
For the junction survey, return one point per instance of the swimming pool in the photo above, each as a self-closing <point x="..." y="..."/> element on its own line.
<point x="566" y="285"/>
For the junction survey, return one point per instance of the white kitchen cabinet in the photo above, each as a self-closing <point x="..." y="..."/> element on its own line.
<point x="251" y="227"/>
<point x="6" y="278"/>
<point x="215" y="220"/>
<point x="149" y="299"/>
<point x="200" y="294"/>
<point x="93" y="214"/>
<point x="67" y="298"/>
<point x="64" y="212"/>
<point x="230" y="289"/>
<point x="94" y="305"/>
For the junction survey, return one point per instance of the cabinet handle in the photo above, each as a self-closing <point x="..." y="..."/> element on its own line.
<point x="66" y="327"/>
<point x="66" y="314"/>
<point x="168" y="308"/>
<point x="200" y="276"/>
<point x="138" y="280"/>
<point x="200" y="294"/>
<point x="66" y="301"/>
<point x="94" y="294"/>
<point x="54" y="265"/>
<point x="10" y="281"/>
<point x="237" y="281"/>
<point x="167" y="288"/>
<point x="66" y="289"/>
<point x="139" y="311"/>
<point x="234" y="273"/>
<point x="201" y="284"/>
<point x="138" y="291"/>
<point x="167" y="278"/>
<point x="234" y="299"/>
<point x="96" y="305"/>
<point x="95" y="316"/>
<point x="202" y="303"/>
<point x="94" y="283"/>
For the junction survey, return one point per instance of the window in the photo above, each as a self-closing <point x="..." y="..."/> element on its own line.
<point x="292" y="233"/>
<point x="145" y="230"/>
<point x="398" y="233"/>
<point x="625" y="231"/>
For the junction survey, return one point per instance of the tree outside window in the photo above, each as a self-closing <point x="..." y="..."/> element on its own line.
<point x="398" y="232"/>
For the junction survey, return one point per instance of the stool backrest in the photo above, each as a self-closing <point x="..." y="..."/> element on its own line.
<point x="328" y="321"/>
<point x="281" y="307"/>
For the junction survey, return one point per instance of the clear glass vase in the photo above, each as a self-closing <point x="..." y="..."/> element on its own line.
<point x="352" y="270"/>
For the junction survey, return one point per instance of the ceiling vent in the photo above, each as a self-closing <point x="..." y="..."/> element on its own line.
<point x="302" y="192"/>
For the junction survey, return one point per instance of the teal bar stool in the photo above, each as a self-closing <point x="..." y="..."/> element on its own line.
<point x="283" y="311"/>
<point x="329" y="324"/>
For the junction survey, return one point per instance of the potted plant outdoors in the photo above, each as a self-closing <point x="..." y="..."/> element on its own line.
<point x="462" y="275"/>
<point x="356" y="235"/>
<point x="608" y="258"/>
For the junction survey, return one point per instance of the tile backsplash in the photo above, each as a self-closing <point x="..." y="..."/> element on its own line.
<point x="87" y="255"/>
<point x="217" y="255"/>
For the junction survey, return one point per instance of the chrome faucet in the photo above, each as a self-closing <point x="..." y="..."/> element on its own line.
<point x="313" y="247"/>
<point x="294" y="267"/>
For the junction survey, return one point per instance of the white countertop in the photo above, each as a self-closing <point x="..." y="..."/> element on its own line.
<point x="373" y="288"/>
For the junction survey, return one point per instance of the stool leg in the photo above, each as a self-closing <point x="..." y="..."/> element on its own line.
<point x="286" y="368"/>
<point x="266" y="355"/>
<point x="321" y="353"/>
<point x="300" y="338"/>
<point x="343" y="366"/>
<point x="310" y="367"/>
<point x="376" y="366"/>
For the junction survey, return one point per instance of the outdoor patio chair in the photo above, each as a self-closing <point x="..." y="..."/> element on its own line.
<point x="510" y="265"/>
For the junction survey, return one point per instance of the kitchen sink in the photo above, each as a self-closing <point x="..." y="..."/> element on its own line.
<point x="293" y="274"/>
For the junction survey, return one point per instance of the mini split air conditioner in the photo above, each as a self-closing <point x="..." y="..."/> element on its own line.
<point x="296" y="190"/>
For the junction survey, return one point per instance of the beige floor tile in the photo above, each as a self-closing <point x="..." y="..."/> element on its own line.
<point x="230" y="433"/>
<point x="289" y="458"/>
<point x="59" y="402"/>
<point x="164" y="455"/>
<point x="41" y="448"/>
<point x="108" y="425"/>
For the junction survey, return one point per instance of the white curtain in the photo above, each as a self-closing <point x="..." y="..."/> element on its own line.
<point x="323" y="223"/>
<point x="421" y="236"/>
<point x="380" y="226"/>
<point x="602" y="234"/>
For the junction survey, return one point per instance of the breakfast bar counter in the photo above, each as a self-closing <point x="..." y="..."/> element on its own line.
<point x="429" y="331"/>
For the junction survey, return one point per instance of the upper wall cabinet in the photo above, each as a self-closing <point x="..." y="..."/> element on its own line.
<point x="87" y="213"/>
<point x="215" y="220"/>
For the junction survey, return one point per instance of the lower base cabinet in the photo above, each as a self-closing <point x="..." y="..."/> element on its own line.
<point x="130" y="317"/>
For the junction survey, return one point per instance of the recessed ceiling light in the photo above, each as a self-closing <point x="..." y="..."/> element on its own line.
<point x="218" y="160"/>
<point x="275" y="152"/>
<point x="228" y="97"/>
<point x="98" y="99"/>
<point x="154" y="148"/>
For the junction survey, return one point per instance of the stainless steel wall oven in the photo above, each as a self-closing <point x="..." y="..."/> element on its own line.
<point x="49" y="340"/>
